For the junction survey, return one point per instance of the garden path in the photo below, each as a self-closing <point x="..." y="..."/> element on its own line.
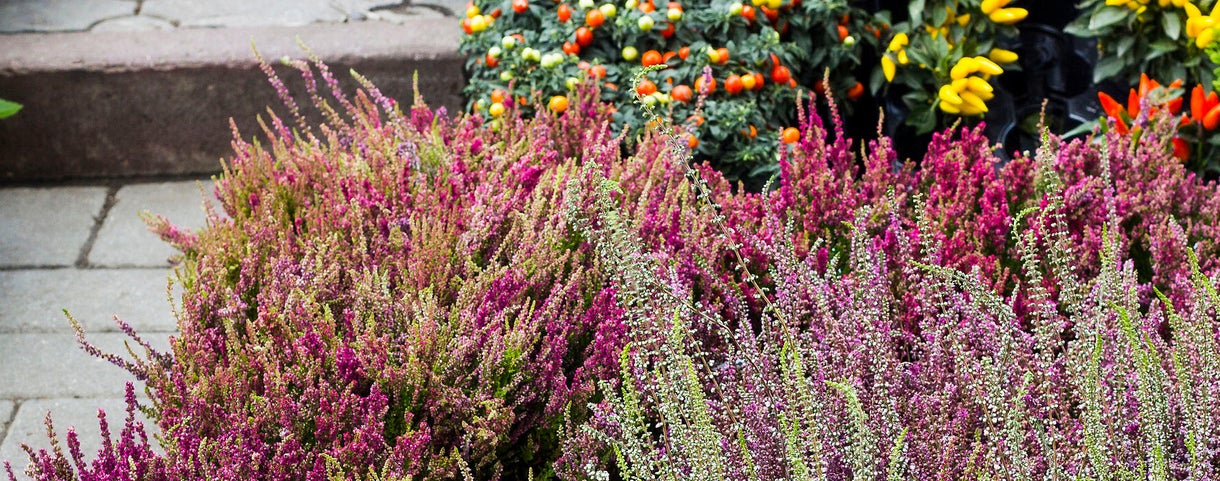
<point x="85" y="249"/>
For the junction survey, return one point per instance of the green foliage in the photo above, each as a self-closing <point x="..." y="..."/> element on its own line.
<point x="1156" y="37"/>
<point x="8" y="108"/>
<point x="528" y="57"/>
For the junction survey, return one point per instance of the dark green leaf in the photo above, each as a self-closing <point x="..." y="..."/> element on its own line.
<point x="939" y="16"/>
<point x="923" y="119"/>
<point x="8" y="109"/>
<point x="1081" y="129"/>
<point x="1172" y="24"/>
<point x="1124" y="44"/>
<point x="1107" y="17"/>
<point x="1176" y="72"/>
<point x="1079" y="29"/>
<point x="1107" y="67"/>
<point x="876" y="80"/>
<point x="920" y="57"/>
<point x="915" y="10"/>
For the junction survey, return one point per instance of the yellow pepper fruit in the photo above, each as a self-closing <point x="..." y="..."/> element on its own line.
<point x="988" y="67"/>
<point x="999" y="55"/>
<point x="951" y="109"/>
<point x="963" y="20"/>
<point x="970" y="110"/>
<point x="960" y="85"/>
<point x="888" y="68"/>
<point x="1008" y="16"/>
<point x="989" y="6"/>
<point x="969" y="98"/>
<point x="964" y="67"/>
<point x="1205" y="38"/>
<point x="1197" y="25"/>
<point x="947" y="94"/>
<point x="902" y="57"/>
<point x="1191" y="10"/>
<point x="978" y="85"/>
<point x="899" y="41"/>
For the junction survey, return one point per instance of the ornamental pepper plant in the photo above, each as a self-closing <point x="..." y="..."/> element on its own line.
<point x="1195" y="140"/>
<point x="1165" y="39"/>
<point x="761" y="52"/>
<point x="942" y="61"/>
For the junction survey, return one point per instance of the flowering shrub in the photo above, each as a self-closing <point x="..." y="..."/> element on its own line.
<point x="393" y="294"/>
<point x="1077" y="372"/>
<point x="945" y="55"/>
<point x="400" y="294"/>
<point x="523" y="53"/>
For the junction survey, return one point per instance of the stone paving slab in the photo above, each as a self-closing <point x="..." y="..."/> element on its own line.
<point x="46" y="227"/>
<point x="80" y="414"/>
<point x="34" y="300"/>
<point x="59" y="15"/>
<point x="52" y="365"/>
<point x="244" y="13"/>
<point x="125" y="240"/>
<point x="6" y="415"/>
<point x="132" y="23"/>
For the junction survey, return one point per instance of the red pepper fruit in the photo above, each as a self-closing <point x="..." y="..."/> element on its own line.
<point x="1180" y="149"/>
<point x="1212" y="119"/>
<point x="1146" y="85"/>
<point x="1174" y="105"/>
<point x="1196" y="103"/>
<point x="1110" y="106"/>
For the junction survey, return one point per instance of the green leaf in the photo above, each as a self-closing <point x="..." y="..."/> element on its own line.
<point x="1172" y="24"/>
<point x="1079" y="29"/>
<point x="923" y="119"/>
<point x="8" y="109"/>
<point x="1162" y="47"/>
<point x="876" y="80"/>
<point x="1106" y="17"/>
<point x="915" y="10"/>
<point x="1107" y="67"/>
<point x="1082" y="129"/>
<point x="939" y="16"/>
<point x="1124" y="44"/>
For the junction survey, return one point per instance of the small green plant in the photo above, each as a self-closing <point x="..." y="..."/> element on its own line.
<point x="9" y="108"/>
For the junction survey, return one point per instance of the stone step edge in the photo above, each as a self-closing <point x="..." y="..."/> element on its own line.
<point x="145" y="104"/>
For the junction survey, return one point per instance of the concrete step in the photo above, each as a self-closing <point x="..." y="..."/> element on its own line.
<point x="120" y="104"/>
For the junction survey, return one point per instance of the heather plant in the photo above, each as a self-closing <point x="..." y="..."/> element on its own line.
<point x="398" y="294"/>
<point x="391" y="295"/>
<point x="830" y="384"/>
